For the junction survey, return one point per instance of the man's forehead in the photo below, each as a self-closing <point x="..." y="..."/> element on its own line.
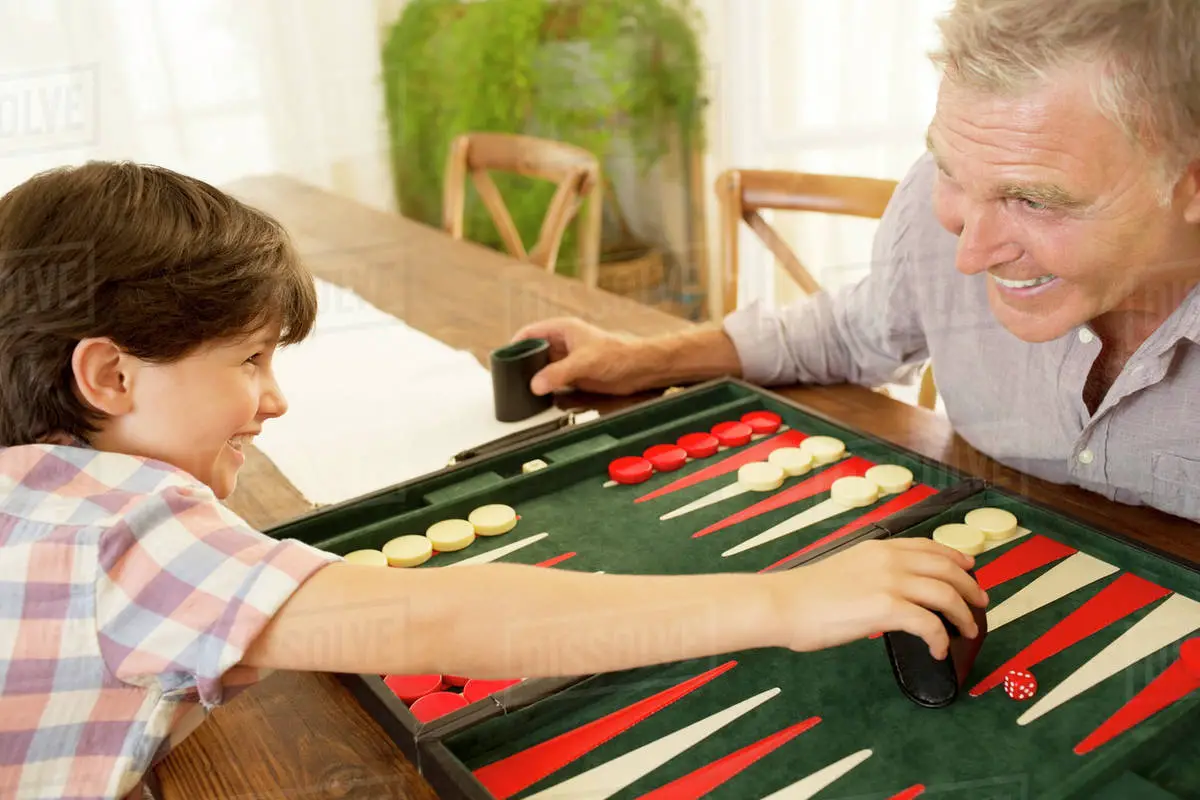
<point x="1058" y="117"/>
<point x="1017" y="143"/>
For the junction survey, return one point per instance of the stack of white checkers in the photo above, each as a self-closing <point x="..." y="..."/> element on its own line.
<point x="850" y="491"/>
<point x="980" y="530"/>
<point x="446" y="536"/>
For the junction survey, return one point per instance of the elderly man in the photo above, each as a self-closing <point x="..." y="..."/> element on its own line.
<point x="1045" y="253"/>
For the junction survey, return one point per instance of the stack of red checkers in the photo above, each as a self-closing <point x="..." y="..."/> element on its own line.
<point x="431" y="696"/>
<point x="763" y="422"/>
<point x="630" y="470"/>
<point x="698" y="445"/>
<point x="667" y="457"/>
<point x="732" y="434"/>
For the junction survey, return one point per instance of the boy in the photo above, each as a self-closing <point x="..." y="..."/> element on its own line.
<point x="141" y="311"/>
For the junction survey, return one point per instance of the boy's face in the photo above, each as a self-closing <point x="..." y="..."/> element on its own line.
<point x="198" y="413"/>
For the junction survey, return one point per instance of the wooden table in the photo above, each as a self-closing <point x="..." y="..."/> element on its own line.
<point x="302" y="735"/>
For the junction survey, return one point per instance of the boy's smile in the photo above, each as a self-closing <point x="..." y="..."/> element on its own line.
<point x="197" y="413"/>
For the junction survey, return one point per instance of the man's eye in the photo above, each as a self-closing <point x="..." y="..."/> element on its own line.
<point x="1034" y="204"/>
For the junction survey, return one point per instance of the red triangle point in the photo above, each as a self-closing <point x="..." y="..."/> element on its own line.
<point x="1034" y="553"/>
<point x="1119" y="599"/>
<point x="517" y="772"/>
<point x="697" y="784"/>
<point x="1172" y="685"/>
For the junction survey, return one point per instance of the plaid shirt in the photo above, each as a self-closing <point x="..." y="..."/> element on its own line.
<point x="128" y="595"/>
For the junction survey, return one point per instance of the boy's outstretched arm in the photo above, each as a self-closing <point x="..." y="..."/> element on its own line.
<point x="508" y="621"/>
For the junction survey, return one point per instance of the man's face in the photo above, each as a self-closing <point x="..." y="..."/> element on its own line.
<point x="1053" y="203"/>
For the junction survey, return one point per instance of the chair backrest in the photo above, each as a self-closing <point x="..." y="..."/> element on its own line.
<point x="743" y="193"/>
<point x="575" y="170"/>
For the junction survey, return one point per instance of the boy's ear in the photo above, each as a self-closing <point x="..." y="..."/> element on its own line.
<point x="102" y="375"/>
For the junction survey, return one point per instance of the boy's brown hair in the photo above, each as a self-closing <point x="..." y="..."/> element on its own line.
<point x="158" y="262"/>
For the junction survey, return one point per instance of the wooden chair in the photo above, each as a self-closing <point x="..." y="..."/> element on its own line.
<point x="576" y="171"/>
<point x="743" y="193"/>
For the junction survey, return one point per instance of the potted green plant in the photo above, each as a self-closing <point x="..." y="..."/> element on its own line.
<point x="611" y="76"/>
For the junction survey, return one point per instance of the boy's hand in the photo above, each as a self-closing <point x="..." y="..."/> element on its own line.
<point x="879" y="586"/>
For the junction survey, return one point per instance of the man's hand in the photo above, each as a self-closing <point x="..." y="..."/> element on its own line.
<point x="587" y="358"/>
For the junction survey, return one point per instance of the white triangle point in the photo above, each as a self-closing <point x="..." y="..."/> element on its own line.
<point x="809" y="786"/>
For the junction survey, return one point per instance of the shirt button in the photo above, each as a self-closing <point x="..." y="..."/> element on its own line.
<point x="1085" y="456"/>
<point x="1086" y="336"/>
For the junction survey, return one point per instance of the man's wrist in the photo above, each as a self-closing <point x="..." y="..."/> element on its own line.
<point x="689" y="357"/>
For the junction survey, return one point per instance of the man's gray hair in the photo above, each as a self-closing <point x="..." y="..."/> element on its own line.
<point x="1147" y="52"/>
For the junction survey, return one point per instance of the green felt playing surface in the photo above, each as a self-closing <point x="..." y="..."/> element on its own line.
<point x="603" y="526"/>
<point x="974" y="748"/>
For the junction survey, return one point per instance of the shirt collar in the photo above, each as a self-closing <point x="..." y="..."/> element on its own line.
<point x="1184" y="323"/>
<point x="1190" y="320"/>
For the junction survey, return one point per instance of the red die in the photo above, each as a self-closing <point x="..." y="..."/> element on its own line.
<point x="1020" y="685"/>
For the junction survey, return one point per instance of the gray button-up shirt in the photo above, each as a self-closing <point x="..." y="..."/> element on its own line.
<point x="1020" y="403"/>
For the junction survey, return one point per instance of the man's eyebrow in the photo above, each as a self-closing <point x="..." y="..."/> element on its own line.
<point x="1047" y="194"/>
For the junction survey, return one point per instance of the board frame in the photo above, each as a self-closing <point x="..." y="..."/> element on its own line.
<point x="420" y="742"/>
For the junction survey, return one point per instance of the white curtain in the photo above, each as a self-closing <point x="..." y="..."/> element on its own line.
<point x="811" y="85"/>
<point x="224" y="88"/>
<point x="213" y="88"/>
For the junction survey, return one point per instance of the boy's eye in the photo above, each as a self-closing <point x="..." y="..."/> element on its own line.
<point x="254" y="358"/>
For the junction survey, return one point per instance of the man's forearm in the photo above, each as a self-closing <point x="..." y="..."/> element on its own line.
<point x="688" y="357"/>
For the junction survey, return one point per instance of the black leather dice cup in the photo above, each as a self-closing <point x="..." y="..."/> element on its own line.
<point x="513" y="367"/>
<point x="924" y="679"/>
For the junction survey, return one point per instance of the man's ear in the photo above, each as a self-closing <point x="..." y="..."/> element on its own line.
<point x="1191" y="185"/>
<point x="103" y="375"/>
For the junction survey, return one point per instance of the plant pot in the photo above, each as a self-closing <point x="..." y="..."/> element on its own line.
<point x="633" y="273"/>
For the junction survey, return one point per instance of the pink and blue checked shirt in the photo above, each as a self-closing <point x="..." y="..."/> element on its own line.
<point x="128" y="595"/>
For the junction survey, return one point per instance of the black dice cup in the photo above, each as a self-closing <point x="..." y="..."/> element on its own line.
<point x="513" y="367"/>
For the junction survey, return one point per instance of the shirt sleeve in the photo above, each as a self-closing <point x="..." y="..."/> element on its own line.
<point x="869" y="333"/>
<point x="185" y="586"/>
